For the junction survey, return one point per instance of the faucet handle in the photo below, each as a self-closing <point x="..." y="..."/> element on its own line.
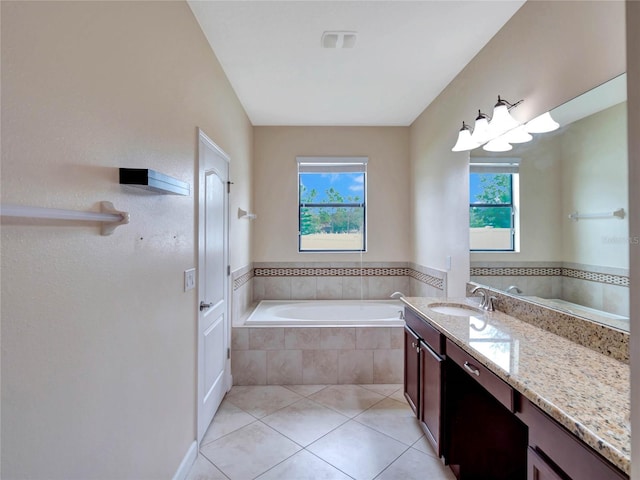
<point x="489" y="306"/>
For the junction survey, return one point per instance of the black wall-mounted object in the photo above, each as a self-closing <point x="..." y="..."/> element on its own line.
<point x="154" y="181"/>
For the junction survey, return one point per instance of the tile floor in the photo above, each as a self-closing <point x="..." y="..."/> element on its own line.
<point x="300" y="432"/>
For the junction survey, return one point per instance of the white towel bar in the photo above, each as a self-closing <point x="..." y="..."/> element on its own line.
<point x="575" y="216"/>
<point x="108" y="215"/>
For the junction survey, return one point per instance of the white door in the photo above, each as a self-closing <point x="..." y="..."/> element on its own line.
<point x="213" y="319"/>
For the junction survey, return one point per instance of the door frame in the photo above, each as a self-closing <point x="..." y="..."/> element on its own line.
<point x="200" y="184"/>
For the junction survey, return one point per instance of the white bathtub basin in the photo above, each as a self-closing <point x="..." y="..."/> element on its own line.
<point x="327" y="312"/>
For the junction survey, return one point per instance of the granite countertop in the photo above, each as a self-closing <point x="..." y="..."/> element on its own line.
<point x="585" y="391"/>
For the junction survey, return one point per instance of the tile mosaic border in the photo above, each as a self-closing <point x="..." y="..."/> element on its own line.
<point x="606" y="278"/>
<point x="515" y="271"/>
<point x="242" y="279"/>
<point x="426" y="278"/>
<point x="331" y="272"/>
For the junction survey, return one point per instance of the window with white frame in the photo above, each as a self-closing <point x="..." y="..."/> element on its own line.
<point x="493" y="199"/>
<point x="332" y="194"/>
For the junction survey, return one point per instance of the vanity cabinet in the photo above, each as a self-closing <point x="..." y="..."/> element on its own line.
<point x="481" y="426"/>
<point x="484" y="438"/>
<point x="423" y="375"/>
<point x="555" y="451"/>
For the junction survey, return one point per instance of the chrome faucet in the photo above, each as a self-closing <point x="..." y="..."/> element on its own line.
<point x="396" y="295"/>
<point x="483" y="293"/>
<point x="515" y="289"/>
<point x="487" y="302"/>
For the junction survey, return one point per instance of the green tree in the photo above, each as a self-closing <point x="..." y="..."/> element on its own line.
<point x="495" y="190"/>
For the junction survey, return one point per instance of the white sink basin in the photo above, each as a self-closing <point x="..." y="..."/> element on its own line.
<point x="457" y="309"/>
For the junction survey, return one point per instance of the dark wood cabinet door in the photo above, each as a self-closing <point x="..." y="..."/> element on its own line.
<point x="539" y="469"/>
<point x="431" y="368"/>
<point x="412" y="369"/>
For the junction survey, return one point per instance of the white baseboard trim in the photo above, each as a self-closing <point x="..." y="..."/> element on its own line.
<point x="187" y="462"/>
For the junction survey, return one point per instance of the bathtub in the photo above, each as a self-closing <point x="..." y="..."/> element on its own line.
<point x="383" y="313"/>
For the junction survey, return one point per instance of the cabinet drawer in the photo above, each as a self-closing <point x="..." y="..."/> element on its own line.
<point x="429" y="334"/>
<point x="575" y="459"/>
<point x="489" y="380"/>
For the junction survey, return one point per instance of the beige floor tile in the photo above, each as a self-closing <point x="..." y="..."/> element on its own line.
<point x="357" y="450"/>
<point x="350" y="400"/>
<point x="414" y="465"/>
<point x="424" y="446"/>
<point x="305" y="421"/>
<point x="203" y="469"/>
<point x="228" y="418"/>
<point x="394" y="419"/>
<point x="261" y="401"/>
<point x="250" y="451"/>
<point x="303" y="466"/>
<point x="385" y="389"/>
<point x="399" y="395"/>
<point x="305" y="390"/>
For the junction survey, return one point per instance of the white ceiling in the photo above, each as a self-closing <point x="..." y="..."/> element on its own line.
<point x="406" y="53"/>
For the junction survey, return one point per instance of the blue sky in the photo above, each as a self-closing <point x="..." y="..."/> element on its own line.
<point x="347" y="184"/>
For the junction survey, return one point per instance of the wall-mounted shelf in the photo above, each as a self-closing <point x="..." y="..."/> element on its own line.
<point x="108" y="215"/>
<point x="151" y="180"/>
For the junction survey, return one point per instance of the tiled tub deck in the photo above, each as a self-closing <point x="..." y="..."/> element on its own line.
<point x="303" y="355"/>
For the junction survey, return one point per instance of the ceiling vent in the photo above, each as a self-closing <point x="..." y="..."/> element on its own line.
<point x="339" y="39"/>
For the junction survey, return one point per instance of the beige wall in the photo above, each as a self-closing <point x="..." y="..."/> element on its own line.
<point x="276" y="189"/>
<point x="98" y="337"/>
<point x="547" y="53"/>
<point x="594" y="179"/>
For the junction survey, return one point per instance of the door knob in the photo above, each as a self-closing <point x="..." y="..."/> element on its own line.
<point x="204" y="306"/>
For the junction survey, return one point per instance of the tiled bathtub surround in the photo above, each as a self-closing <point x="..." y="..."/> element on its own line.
<point x="344" y="281"/>
<point x="602" y="339"/>
<point x="601" y="288"/>
<point x="242" y="297"/>
<point x="316" y="355"/>
<point x="323" y="355"/>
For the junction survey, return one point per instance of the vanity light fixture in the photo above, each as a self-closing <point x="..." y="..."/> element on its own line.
<point x="502" y="121"/>
<point x="498" y="144"/>
<point x="518" y="135"/>
<point x="481" y="130"/>
<point x="542" y="124"/>
<point x="465" y="142"/>
<point x="500" y="131"/>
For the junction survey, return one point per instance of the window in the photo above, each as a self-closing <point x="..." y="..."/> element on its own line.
<point x="492" y="205"/>
<point x="332" y="204"/>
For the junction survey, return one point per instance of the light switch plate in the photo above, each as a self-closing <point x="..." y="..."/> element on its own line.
<point x="189" y="279"/>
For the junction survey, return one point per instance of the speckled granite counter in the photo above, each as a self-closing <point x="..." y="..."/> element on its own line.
<point x="586" y="392"/>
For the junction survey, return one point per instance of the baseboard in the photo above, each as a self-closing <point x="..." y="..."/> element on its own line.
<point x="187" y="462"/>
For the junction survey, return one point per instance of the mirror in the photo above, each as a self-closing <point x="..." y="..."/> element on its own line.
<point x="571" y="247"/>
